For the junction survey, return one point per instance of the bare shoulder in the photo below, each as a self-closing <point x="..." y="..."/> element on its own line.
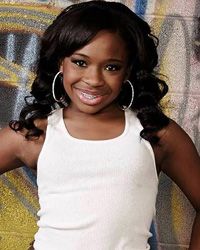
<point x="175" y="140"/>
<point x="16" y="150"/>
<point x="174" y="129"/>
<point x="175" y="146"/>
<point x="10" y="143"/>
<point x="9" y="137"/>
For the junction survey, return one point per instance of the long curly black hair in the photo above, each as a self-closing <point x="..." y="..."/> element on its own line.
<point x="74" y="27"/>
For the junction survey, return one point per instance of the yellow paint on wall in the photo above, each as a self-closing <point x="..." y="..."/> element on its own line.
<point x="19" y="27"/>
<point x="19" y="204"/>
<point x="177" y="211"/>
<point x="17" y="224"/>
<point x="9" y="68"/>
<point x="12" y="77"/>
<point x="161" y="8"/>
<point x="25" y="17"/>
<point x="30" y="193"/>
<point x="156" y="23"/>
<point x="43" y="9"/>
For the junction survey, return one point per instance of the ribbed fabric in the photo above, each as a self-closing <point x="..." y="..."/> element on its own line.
<point x="95" y="194"/>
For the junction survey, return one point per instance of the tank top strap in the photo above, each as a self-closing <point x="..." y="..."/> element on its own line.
<point x="131" y="118"/>
<point x="136" y="127"/>
<point x="55" y="118"/>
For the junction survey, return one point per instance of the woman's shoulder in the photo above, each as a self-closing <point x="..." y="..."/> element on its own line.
<point x="175" y="147"/>
<point x="172" y="136"/>
<point x="17" y="150"/>
<point x="10" y="144"/>
<point x="9" y="137"/>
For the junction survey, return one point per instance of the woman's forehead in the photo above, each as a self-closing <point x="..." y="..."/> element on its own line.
<point x="105" y="43"/>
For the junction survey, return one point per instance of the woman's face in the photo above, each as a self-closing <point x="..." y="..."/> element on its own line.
<point x="93" y="75"/>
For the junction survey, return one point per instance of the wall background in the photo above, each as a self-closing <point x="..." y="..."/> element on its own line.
<point x="177" y="24"/>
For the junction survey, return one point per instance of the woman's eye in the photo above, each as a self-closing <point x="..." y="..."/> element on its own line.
<point x="79" y="63"/>
<point x="113" y="67"/>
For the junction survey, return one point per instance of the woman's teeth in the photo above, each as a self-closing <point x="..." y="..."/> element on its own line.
<point x="88" y="96"/>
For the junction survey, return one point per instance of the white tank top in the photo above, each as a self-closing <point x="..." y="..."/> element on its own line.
<point x="95" y="194"/>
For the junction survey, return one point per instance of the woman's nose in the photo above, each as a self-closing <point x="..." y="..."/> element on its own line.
<point x="94" y="77"/>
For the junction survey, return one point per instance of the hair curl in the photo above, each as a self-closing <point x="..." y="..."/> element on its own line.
<point x="74" y="27"/>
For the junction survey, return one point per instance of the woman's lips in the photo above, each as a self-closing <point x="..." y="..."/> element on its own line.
<point x="88" y="97"/>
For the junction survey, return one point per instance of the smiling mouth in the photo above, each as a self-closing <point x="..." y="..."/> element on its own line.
<point x="89" y="98"/>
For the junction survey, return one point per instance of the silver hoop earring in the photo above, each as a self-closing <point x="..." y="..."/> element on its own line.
<point x="125" y="107"/>
<point x="62" y="98"/>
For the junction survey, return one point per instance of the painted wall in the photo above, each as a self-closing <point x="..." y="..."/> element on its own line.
<point x="177" y="24"/>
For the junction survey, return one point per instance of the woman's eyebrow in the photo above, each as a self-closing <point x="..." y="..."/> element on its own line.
<point x="109" y="59"/>
<point x="80" y="54"/>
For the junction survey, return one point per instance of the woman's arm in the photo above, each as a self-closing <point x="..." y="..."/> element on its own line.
<point x="16" y="150"/>
<point x="10" y="147"/>
<point x="181" y="162"/>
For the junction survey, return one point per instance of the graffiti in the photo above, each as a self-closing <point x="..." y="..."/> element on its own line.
<point x="197" y="40"/>
<point x="140" y="7"/>
<point x="177" y="62"/>
<point x="178" y="29"/>
<point x="21" y="27"/>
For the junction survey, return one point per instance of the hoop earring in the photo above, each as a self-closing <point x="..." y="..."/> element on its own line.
<point x="62" y="98"/>
<point x="125" y="107"/>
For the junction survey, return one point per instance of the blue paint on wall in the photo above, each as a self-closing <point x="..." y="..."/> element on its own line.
<point x="153" y="241"/>
<point x="140" y="7"/>
<point x="31" y="175"/>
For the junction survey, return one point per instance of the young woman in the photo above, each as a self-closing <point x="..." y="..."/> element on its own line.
<point x="96" y="134"/>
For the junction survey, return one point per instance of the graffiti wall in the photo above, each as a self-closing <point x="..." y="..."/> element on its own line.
<point x="177" y="24"/>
